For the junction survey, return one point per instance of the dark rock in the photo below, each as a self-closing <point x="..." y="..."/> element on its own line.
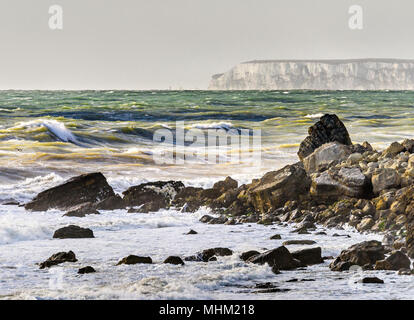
<point x="58" y="258"/>
<point x="112" y="203"/>
<point x="309" y="256"/>
<point x="248" y="254"/>
<point x="328" y="129"/>
<point x="405" y="272"/>
<point x="206" y="218"/>
<point x="131" y="259"/>
<point x="82" y="210"/>
<point x="73" y="232"/>
<point x="279" y="258"/>
<point x="208" y="253"/>
<point x="227" y="184"/>
<point x="372" y="280"/>
<point x="276" y="237"/>
<point x="367" y="252"/>
<point x="219" y="220"/>
<point x="91" y="188"/>
<point x="87" y="269"/>
<point x="296" y="242"/>
<point x="153" y="195"/>
<point x="396" y="261"/>
<point x="174" y="260"/>
<point x="192" y="232"/>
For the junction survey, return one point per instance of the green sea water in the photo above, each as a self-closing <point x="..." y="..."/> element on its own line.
<point x="71" y="132"/>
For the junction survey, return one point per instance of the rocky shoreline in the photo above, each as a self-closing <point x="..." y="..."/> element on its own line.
<point x="335" y="183"/>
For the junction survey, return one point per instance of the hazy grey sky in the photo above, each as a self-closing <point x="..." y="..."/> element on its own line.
<point x="147" y="44"/>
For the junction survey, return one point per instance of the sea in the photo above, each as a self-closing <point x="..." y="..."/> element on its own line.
<point x="47" y="137"/>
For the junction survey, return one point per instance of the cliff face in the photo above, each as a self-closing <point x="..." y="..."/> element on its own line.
<point x="364" y="74"/>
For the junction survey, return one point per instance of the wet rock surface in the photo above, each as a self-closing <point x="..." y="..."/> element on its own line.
<point x="73" y="232"/>
<point x="58" y="258"/>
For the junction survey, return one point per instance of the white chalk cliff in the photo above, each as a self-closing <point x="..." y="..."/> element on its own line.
<point x="361" y="74"/>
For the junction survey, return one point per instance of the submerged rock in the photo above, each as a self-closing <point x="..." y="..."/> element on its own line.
<point x="73" y="232"/>
<point x="59" y="258"/>
<point x="87" y="269"/>
<point x="296" y="242"/>
<point x="328" y="129"/>
<point x="87" y="188"/>
<point x="174" y="260"/>
<point x="131" y="259"/>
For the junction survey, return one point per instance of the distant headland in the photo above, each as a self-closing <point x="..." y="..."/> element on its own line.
<point x="347" y="74"/>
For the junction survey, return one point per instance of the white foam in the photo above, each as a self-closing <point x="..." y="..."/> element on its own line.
<point x="213" y="125"/>
<point x="58" y="129"/>
<point x="314" y="116"/>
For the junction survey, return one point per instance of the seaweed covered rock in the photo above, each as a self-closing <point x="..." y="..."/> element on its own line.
<point x="92" y="188"/>
<point x="328" y="129"/>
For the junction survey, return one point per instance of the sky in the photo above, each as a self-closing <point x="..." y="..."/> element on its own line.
<point x="180" y="44"/>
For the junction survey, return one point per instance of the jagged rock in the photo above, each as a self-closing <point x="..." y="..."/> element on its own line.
<point x="131" y="259"/>
<point x="279" y="258"/>
<point x="334" y="184"/>
<point x="328" y="129"/>
<point x="248" y="254"/>
<point x="324" y="156"/>
<point x="384" y="179"/>
<point x="408" y="145"/>
<point x="153" y="196"/>
<point x="394" y="149"/>
<point x="396" y="261"/>
<point x="298" y="242"/>
<point x="361" y="254"/>
<point x="82" y="210"/>
<point x="59" y="258"/>
<point x="91" y="188"/>
<point x="309" y="256"/>
<point x="87" y="269"/>
<point x="275" y="188"/>
<point x="174" y="260"/>
<point x="73" y="232"/>
<point x="192" y="232"/>
<point x="226" y="185"/>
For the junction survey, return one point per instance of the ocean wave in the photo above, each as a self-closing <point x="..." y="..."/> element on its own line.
<point x="314" y="116"/>
<point x="56" y="128"/>
<point x="214" y="125"/>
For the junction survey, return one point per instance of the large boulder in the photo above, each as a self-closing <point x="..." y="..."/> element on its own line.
<point x="336" y="183"/>
<point x="386" y="178"/>
<point x="326" y="155"/>
<point x="73" y="232"/>
<point x="153" y="196"/>
<point x="328" y="129"/>
<point x="396" y="261"/>
<point x="309" y="256"/>
<point x="59" y="258"/>
<point x="275" y="188"/>
<point x="279" y="259"/>
<point x="361" y="254"/>
<point x="91" y="188"/>
<point x="132" y="259"/>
